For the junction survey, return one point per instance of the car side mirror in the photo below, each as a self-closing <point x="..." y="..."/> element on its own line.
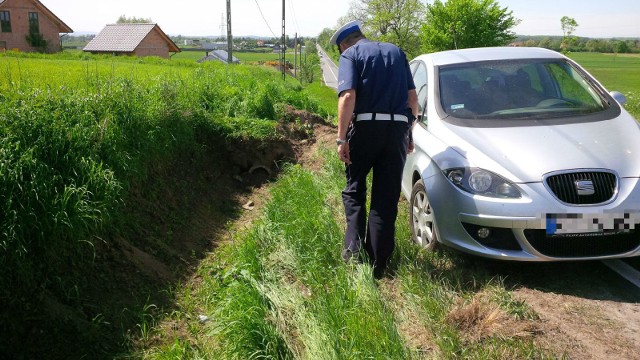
<point x="619" y="97"/>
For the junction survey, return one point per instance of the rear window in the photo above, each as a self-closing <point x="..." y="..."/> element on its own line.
<point x="540" y="89"/>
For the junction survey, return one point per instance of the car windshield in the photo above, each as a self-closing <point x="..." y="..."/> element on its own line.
<point x="540" y="89"/>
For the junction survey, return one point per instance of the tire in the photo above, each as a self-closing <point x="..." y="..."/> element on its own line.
<point x="421" y="218"/>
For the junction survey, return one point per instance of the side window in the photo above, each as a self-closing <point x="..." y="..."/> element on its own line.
<point x="5" y="21"/>
<point x="420" y="80"/>
<point x="34" y="26"/>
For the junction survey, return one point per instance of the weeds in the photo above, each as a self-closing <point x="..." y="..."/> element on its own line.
<point x="79" y="138"/>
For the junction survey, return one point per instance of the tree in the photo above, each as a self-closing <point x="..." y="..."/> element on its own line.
<point x="394" y="21"/>
<point x="133" y="20"/>
<point x="310" y="64"/>
<point x="568" y="25"/>
<point x="459" y="24"/>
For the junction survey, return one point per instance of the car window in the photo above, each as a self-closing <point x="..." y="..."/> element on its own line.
<point x="537" y="88"/>
<point x="420" y="80"/>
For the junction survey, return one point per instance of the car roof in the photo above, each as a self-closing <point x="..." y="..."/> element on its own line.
<point x="488" y="54"/>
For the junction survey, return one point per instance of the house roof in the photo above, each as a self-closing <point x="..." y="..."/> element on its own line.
<point x="125" y="38"/>
<point x="219" y="55"/>
<point x="62" y="27"/>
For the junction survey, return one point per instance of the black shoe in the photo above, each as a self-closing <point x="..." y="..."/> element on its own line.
<point x="379" y="272"/>
<point x="349" y="256"/>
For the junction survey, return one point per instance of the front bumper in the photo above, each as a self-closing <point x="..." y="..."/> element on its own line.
<point x="517" y="228"/>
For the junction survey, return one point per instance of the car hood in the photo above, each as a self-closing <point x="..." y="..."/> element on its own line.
<point x="526" y="153"/>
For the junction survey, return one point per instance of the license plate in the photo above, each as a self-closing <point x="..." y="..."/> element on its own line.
<point x="591" y="224"/>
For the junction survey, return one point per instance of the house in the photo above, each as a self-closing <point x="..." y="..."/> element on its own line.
<point x="219" y="55"/>
<point x="132" y="39"/>
<point x="27" y="25"/>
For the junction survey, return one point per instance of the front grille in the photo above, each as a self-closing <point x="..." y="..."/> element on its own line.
<point x="583" y="245"/>
<point x="564" y="187"/>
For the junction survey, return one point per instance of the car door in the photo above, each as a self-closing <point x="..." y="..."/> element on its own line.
<point x="420" y="79"/>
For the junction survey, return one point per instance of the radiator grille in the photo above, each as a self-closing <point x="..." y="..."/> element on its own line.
<point x="565" y="187"/>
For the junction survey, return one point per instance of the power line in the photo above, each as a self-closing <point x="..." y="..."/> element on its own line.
<point x="295" y="21"/>
<point x="265" y="20"/>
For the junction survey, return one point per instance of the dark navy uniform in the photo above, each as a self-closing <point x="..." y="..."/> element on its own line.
<point x="378" y="139"/>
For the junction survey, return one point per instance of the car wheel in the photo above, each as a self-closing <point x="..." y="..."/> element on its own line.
<point x="423" y="223"/>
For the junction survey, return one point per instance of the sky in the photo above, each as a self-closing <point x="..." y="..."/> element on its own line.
<point x="596" y="19"/>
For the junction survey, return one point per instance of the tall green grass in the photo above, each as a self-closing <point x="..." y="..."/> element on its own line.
<point x="281" y="291"/>
<point x="78" y="137"/>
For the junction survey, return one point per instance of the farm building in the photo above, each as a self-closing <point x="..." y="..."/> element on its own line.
<point x="219" y="55"/>
<point x="27" y="25"/>
<point x="132" y="39"/>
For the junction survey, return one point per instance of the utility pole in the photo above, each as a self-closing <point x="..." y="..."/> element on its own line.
<point x="283" y="45"/>
<point x="295" y="58"/>
<point x="229" y="37"/>
<point x="222" y="27"/>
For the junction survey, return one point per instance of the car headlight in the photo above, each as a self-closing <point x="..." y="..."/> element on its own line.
<point x="482" y="182"/>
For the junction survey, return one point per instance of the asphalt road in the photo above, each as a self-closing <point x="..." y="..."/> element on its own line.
<point x="329" y="69"/>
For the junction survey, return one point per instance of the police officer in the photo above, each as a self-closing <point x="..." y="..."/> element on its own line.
<point x="377" y="104"/>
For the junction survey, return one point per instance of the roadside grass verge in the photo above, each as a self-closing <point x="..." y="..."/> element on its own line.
<point x="87" y="149"/>
<point x="279" y="290"/>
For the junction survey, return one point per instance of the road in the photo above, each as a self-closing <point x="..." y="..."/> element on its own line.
<point x="329" y="69"/>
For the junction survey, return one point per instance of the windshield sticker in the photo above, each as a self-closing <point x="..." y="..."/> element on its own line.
<point x="457" y="106"/>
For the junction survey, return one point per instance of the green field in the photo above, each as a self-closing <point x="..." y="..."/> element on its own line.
<point x="244" y="57"/>
<point x="616" y="72"/>
<point x="619" y="72"/>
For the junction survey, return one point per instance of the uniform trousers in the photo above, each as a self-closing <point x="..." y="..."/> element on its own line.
<point x="381" y="146"/>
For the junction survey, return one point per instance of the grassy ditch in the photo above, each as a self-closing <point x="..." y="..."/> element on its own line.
<point x="279" y="290"/>
<point x="89" y="151"/>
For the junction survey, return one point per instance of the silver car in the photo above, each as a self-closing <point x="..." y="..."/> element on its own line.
<point x="520" y="154"/>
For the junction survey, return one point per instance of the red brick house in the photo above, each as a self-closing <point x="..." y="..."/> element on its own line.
<point x="132" y="39"/>
<point x="27" y="25"/>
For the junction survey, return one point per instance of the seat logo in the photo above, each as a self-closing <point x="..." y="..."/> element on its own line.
<point x="585" y="187"/>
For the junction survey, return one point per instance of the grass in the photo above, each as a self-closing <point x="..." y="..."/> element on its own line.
<point x="84" y="138"/>
<point x="616" y="72"/>
<point x="81" y="139"/>
<point x="243" y="56"/>
<point x="280" y="290"/>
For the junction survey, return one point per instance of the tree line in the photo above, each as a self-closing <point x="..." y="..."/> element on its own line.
<point x="582" y="44"/>
<point x="420" y="28"/>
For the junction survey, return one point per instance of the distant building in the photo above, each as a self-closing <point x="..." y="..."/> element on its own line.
<point x="214" y="46"/>
<point x="188" y="42"/>
<point x="219" y="55"/>
<point x="27" y="25"/>
<point x="132" y="39"/>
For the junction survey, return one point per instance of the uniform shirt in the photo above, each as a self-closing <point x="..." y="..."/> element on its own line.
<point x="379" y="73"/>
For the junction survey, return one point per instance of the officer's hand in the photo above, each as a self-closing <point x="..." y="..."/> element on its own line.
<point x="411" y="147"/>
<point x="343" y="153"/>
